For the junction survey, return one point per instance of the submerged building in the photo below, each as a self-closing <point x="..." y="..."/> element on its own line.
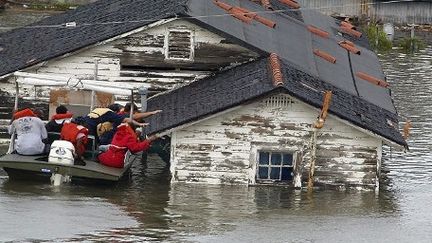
<point x="252" y="92"/>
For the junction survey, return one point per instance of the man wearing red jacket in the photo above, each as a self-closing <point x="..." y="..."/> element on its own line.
<point x="124" y="139"/>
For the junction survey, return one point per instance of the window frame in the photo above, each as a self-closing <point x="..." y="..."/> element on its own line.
<point x="259" y="180"/>
<point x="167" y="42"/>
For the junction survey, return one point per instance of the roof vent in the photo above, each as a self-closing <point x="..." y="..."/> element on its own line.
<point x="179" y="45"/>
<point x="347" y="25"/>
<point x="258" y="18"/>
<point x="372" y="79"/>
<point x="276" y="70"/>
<point x="244" y="14"/>
<point x="266" y="4"/>
<point x="318" y="31"/>
<point x="325" y="56"/>
<point x="349" y="46"/>
<point x="351" y="32"/>
<point x="236" y="13"/>
<point x="1" y="49"/>
<point x="291" y="3"/>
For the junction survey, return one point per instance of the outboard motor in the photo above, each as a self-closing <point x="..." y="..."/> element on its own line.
<point x="61" y="152"/>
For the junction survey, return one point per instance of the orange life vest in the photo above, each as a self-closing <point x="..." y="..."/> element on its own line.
<point x="23" y="113"/>
<point x="70" y="132"/>
<point x="62" y="116"/>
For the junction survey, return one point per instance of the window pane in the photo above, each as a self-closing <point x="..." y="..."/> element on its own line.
<point x="262" y="172"/>
<point x="275" y="173"/>
<point x="276" y="159"/>
<point x="264" y="158"/>
<point x="287" y="174"/>
<point x="288" y="159"/>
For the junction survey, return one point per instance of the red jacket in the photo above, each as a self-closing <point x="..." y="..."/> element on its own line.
<point x="124" y="139"/>
<point x="70" y="132"/>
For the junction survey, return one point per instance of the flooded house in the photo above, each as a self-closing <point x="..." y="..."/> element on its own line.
<point x="252" y="92"/>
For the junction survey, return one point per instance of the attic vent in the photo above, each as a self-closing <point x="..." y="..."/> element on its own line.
<point x="179" y="45"/>
<point x="279" y="101"/>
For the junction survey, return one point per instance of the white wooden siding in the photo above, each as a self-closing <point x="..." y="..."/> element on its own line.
<point x="224" y="149"/>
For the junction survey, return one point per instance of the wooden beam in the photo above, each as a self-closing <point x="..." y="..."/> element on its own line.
<point x="324" y="110"/>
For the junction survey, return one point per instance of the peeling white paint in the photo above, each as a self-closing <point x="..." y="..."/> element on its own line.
<point x="226" y="145"/>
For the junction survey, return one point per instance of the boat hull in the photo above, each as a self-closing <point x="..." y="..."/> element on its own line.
<point x="21" y="167"/>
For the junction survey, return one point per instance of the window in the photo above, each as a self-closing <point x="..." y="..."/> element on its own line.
<point x="179" y="45"/>
<point x="275" y="166"/>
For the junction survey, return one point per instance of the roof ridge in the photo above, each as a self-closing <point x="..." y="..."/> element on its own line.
<point x="276" y="70"/>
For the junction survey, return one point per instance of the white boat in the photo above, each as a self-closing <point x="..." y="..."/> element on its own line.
<point x="58" y="166"/>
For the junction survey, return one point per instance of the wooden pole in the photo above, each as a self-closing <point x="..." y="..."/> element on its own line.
<point x="16" y="96"/>
<point x="312" y="158"/>
<point x="132" y="105"/>
<point x="412" y="38"/>
<point x="93" y="93"/>
<point x="318" y="124"/>
<point x="12" y="139"/>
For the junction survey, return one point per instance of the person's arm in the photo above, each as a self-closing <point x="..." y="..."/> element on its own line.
<point x="12" y="128"/>
<point x="135" y="146"/>
<point x="142" y="115"/>
<point x="135" y="123"/>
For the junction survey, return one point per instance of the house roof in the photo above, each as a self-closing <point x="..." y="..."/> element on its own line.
<point x="291" y="38"/>
<point x="254" y="80"/>
<point x="98" y="21"/>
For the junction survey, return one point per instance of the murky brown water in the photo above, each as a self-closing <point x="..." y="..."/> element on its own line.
<point x="148" y="208"/>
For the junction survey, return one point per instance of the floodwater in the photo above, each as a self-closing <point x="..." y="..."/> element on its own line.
<point x="147" y="208"/>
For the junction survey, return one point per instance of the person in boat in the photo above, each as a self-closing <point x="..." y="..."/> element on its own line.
<point x="78" y="136"/>
<point x="127" y="108"/>
<point x="125" y="139"/>
<point x="104" y="130"/>
<point x="116" y="107"/>
<point x="30" y="131"/>
<point x="136" y="114"/>
<point x="56" y="123"/>
<point x="104" y="121"/>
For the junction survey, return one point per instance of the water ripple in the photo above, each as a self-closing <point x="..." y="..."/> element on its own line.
<point x="411" y="81"/>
